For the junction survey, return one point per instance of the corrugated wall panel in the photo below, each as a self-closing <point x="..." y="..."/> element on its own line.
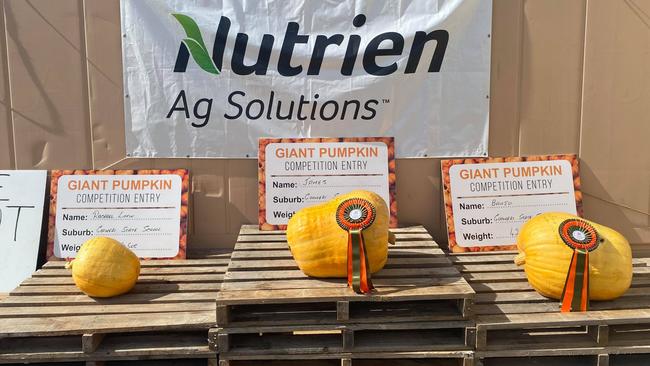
<point x="46" y="54"/>
<point x="631" y="223"/>
<point x="210" y="214"/>
<point x="505" y="77"/>
<point x="105" y="80"/>
<point x="419" y="198"/>
<point x="6" y="127"/>
<point x="615" y="151"/>
<point x="553" y="37"/>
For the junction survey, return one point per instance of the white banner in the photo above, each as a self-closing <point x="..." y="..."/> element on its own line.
<point x="207" y="78"/>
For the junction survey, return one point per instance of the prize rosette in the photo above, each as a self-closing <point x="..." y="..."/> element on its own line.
<point x="354" y="215"/>
<point x="583" y="238"/>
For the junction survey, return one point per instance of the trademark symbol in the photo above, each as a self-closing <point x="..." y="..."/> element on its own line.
<point x="385" y="101"/>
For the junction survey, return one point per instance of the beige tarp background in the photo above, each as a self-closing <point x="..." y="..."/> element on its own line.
<point x="567" y="77"/>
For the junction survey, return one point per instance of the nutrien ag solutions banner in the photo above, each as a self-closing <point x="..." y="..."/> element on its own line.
<point x="208" y="78"/>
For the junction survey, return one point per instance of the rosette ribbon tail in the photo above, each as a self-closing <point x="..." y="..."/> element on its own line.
<point x="582" y="238"/>
<point x="358" y="270"/>
<point x="575" y="295"/>
<point x="354" y="215"/>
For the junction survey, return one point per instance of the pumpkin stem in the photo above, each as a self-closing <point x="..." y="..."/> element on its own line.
<point x="391" y="238"/>
<point x="520" y="259"/>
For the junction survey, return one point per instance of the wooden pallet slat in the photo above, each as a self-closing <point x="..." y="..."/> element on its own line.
<point x="152" y="279"/>
<point x="330" y="328"/>
<point x="144" y="271"/>
<point x="142" y="287"/>
<point x="221" y="262"/>
<point x="289" y="264"/>
<point x="438" y="358"/>
<point x="14" y="312"/>
<point x="45" y="300"/>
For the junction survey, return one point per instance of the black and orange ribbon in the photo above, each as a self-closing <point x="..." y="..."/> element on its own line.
<point x="583" y="238"/>
<point x="354" y="215"/>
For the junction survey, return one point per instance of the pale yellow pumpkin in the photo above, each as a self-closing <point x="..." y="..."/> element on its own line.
<point x="104" y="268"/>
<point x="546" y="258"/>
<point x="319" y="245"/>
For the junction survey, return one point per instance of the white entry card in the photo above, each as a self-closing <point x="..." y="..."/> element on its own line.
<point x="140" y="211"/>
<point x="22" y="194"/>
<point x="295" y="182"/>
<point x="492" y="200"/>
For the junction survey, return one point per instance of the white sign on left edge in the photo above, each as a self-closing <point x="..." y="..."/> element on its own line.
<point x="22" y="194"/>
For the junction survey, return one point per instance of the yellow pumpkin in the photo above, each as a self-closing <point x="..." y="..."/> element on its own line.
<point x="104" y="268"/>
<point x="546" y="258"/>
<point x="319" y="245"/>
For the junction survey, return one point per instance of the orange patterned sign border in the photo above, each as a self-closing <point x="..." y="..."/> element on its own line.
<point x="261" y="177"/>
<point x="183" y="173"/>
<point x="446" y="189"/>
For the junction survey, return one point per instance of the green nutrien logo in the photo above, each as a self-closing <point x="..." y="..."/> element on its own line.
<point x="194" y="42"/>
<point x="383" y="44"/>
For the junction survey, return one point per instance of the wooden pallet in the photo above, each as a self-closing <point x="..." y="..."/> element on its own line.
<point x="514" y="321"/>
<point x="167" y="315"/>
<point x="268" y="307"/>
<point x="263" y="286"/>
